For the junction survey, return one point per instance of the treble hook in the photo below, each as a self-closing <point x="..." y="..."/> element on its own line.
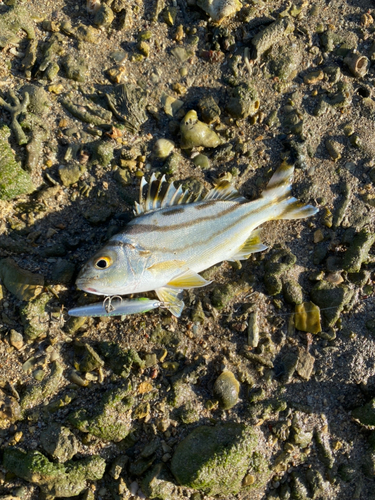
<point x="107" y="303"/>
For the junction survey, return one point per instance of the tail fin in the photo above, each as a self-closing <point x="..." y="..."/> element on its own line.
<point x="279" y="190"/>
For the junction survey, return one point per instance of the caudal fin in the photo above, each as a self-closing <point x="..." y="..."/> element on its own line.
<point x="278" y="191"/>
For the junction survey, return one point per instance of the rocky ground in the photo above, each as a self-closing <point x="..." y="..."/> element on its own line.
<point x="264" y="388"/>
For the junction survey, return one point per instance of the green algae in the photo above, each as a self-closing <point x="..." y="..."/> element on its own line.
<point x="60" y="480"/>
<point x="14" y="181"/>
<point x="216" y="459"/>
<point x="34" y="317"/>
<point x="39" y="393"/>
<point x="110" y="421"/>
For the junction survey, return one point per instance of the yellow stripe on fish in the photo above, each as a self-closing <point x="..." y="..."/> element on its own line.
<point x="173" y="239"/>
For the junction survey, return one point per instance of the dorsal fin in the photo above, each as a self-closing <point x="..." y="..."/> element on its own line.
<point x="162" y="194"/>
<point x="224" y="190"/>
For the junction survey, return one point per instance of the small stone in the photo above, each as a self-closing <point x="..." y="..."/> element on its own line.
<point x="313" y="77"/>
<point x="305" y="364"/>
<point x="70" y="174"/>
<point x="209" y="109"/>
<point x="144" y="48"/>
<point x="86" y="359"/>
<point x="104" y="16"/>
<point x="292" y="291"/>
<point x="163" y="148"/>
<point x="35" y="318"/>
<point x="365" y="414"/>
<point x="226" y="390"/>
<point x="59" y="442"/>
<point x="16" y="339"/>
<point x="243" y="102"/>
<point x="253" y="329"/>
<point x="171" y="105"/>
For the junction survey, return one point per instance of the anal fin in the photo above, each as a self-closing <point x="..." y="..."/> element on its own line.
<point x="251" y="245"/>
<point x="188" y="279"/>
<point x="171" y="298"/>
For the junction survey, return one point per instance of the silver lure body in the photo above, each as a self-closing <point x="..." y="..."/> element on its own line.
<point x="116" y="307"/>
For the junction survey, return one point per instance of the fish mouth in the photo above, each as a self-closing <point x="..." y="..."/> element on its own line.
<point x="81" y="285"/>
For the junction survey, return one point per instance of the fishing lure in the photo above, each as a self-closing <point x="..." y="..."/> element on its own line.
<point x="116" y="306"/>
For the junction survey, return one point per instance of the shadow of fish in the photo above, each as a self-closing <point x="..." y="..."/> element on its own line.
<point x="173" y="239"/>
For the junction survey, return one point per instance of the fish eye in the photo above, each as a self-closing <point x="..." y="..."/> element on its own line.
<point x="103" y="262"/>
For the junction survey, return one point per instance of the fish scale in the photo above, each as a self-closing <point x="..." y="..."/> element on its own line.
<point x="172" y="240"/>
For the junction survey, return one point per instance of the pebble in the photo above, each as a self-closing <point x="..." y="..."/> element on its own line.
<point x="226" y="390"/>
<point x="16" y="339"/>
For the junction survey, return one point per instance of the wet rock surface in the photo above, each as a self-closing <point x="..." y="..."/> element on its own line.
<point x="280" y="346"/>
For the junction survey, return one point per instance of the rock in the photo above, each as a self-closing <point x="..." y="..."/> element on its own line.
<point x="59" y="480"/>
<point x="86" y="359"/>
<point x="292" y="291"/>
<point x="358" y="251"/>
<point x="104" y="16"/>
<point x="196" y="133"/>
<point x="14" y="181"/>
<point x="272" y="35"/>
<point x="39" y="100"/>
<point x="171" y="105"/>
<point x="110" y="421"/>
<point x="76" y="68"/>
<point x="305" y="364"/>
<point x="120" y="360"/>
<point x="331" y="299"/>
<point x="226" y="390"/>
<point x="23" y="284"/>
<point x="216" y="459"/>
<point x="253" y="329"/>
<point x="285" y="60"/>
<point x="63" y="271"/>
<point x="158" y="483"/>
<point x="16" y="339"/>
<point x="59" y="442"/>
<point x="36" y="394"/>
<point x="70" y="174"/>
<point x="365" y="414"/>
<point x="102" y="153"/>
<point x="34" y="317"/>
<point x="243" y="102"/>
<point x="209" y="109"/>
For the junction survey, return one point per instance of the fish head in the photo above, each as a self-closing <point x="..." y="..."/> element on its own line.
<point x="115" y="270"/>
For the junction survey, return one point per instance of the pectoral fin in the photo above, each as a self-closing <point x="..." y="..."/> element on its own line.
<point x="171" y="297"/>
<point x="188" y="279"/>
<point x="251" y="245"/>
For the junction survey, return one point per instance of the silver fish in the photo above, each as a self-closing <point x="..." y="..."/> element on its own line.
<point x="172" y="239"/>
<point x="116" y="307"/>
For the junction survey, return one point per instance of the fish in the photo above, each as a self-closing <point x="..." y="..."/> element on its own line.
<point x="116" y="307"/>
<point x="174" y="237"/>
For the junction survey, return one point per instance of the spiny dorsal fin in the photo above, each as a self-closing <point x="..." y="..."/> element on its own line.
<point x="224" y="191"/>
<point x="160" y="194"/>
<point x="251" y="245"/>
